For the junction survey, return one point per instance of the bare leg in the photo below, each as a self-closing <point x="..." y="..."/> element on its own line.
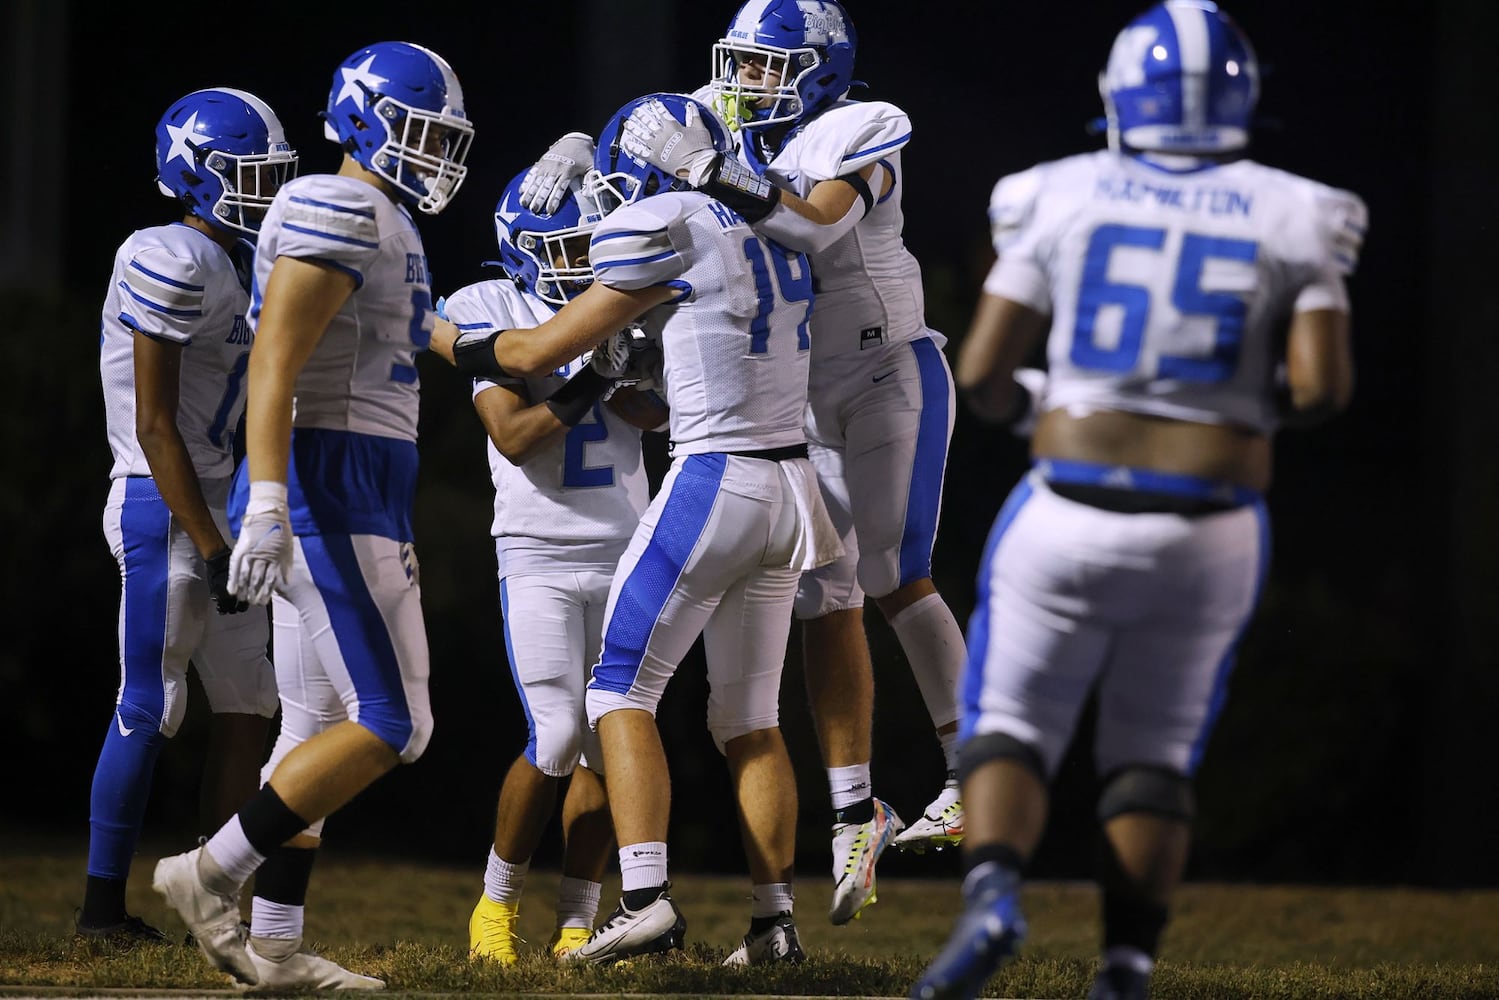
<point x="765" y="789"/>
<point x="231" y="766"/>
<point x="526" y="801"/>
<point x="1007" y="805"/>
<point x="840" y="686"/>
<point x="324" y="773"/>
<point x="639" y="782"/>
<point x="587" y="830"/>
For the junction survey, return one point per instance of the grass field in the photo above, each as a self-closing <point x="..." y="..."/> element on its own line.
<point x="407" y="923"/>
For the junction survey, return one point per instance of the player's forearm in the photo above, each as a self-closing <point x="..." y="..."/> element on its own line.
<point x="521" y="435"/>
<point x="177" y="482"/>
<point x="811" y="225"/>
<point x="268" y="421"/>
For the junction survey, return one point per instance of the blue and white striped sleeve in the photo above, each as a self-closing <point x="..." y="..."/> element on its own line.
<point x="161" y="295"/>
<point x="332" y="222"/>
<point x="634" y="248"/>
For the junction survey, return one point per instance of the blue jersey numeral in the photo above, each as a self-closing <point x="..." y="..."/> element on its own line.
<point x="790" y="287"/>
<point x="1187" y="297"/>
<point x="421" y="304"/>
<point x="575" y="473"/>
<point x="220" y="434"/>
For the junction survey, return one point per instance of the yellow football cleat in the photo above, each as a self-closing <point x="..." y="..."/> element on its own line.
<point x="491" y="931"/>
<point x="566" y="939"/>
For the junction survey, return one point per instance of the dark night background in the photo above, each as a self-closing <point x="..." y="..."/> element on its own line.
<point x="1357" y="745"/>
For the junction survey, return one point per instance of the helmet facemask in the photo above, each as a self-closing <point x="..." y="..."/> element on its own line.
<point x="757" y="104"/>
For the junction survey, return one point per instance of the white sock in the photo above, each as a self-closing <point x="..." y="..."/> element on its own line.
<point x="933" y="643"/>
<point x="577" y="902"/>
<point x="504" y="881"/>
<point x="642" y="866"/>
<point x="275" y="920"/>
<point x="772" y="899"/>
<point x="849" y="785"/>
<point x="230" y="850"/>
<point x="949" y="743"/>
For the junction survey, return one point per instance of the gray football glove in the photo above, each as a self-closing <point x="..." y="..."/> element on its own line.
<point x="546" y="182"/>
<point x="685" y="151"/>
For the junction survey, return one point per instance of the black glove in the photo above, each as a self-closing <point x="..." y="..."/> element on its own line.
<point x="218" y="584"/>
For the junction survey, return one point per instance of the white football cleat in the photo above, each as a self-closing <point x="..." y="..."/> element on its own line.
<point x="627" y="933"/>
<point x="777" y="943"/>
<point x="856" y="848"/>
<point x="304" y="970"/>
<point x="212" y="919"/>
<point x="940" y="825"/>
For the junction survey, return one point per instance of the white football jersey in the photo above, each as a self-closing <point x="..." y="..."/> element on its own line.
<point x="1168" y="291"/>
<point x="868" y="284"/>
<point x="578" y="500"/>
<point x="174" y="283"/>
<point x="735" y="338"/>
<point x="362" y="376"/>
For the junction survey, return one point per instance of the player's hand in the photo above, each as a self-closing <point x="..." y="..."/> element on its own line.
<point x="646" y="368"/>
<point x="684" y="150"/>
<point x="218" y="584"/>
<point x="261" y="560"/>
<point x="546" y="182"/>
<point x="611" y="358"/>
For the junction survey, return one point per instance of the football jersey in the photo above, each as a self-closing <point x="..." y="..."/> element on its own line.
<point x="735" y="337"/>
<point x="362" y="375"/>
<point x="868" y="284"/>
<point x="174" y="283"/>
<point x="1169" y="291"/>
<point x="580" y="498"/>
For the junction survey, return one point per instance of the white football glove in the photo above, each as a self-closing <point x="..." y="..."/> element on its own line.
<point x="612" y="357"/>
<point x="546" y="182"/>
<point x="261" y="560"/>
<point x="685" y="151"/>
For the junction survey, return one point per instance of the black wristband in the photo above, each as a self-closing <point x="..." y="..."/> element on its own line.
<point x="860" y="185"/>
<point x="577" y="395"/>
<point x="737" y="186"/>
<point x="473" y="356"/>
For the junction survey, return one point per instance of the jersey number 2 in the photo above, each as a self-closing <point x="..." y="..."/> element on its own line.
<point x="576" y="475"/>
<point x="1187" y="296"/>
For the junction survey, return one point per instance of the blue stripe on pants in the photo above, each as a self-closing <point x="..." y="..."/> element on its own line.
<point x="978" y="624"/>
<point x="654" y="577"/>
<point x="924" y="499"/>
<point x="520" y="688"/>
<point x="362" y="637"/>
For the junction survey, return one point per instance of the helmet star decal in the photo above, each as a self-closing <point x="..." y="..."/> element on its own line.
<point x="353" y="76"/>
<point x="181" y="148"/>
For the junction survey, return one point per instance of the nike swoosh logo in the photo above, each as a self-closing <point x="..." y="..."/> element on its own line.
<point x="121" y="723"/>
<point x="881" y="378"/>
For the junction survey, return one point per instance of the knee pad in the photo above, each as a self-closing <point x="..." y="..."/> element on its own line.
<point x="879" y="573"/>
<point x="554" y="750"/>
<point x="1144" y="788"/>
<point x="984" y="747"/>
<point x="408" y="735"/>
<point x="723" y="730"/>
<point x="834" y="587"/>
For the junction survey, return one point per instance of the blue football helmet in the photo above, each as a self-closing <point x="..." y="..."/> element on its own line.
<point x="619" y="178"/>
<point x="809" y="43"/>
<point x="1181" y="78"/>
<point x="397" y="109"/>
<point x="546" y="255"/>
<point x="224" y="155"/>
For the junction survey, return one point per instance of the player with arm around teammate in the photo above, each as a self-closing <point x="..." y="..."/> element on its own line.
<point x="173" y="350"/>
<point x="721" y="547"/>
<point x="1127" y="563"/>
<point x="569" y="491"/>
<point x="820" y="173"/>
<point x="341" y="304"/>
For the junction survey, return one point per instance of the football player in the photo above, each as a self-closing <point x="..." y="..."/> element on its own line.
<point x="881" y="411"/>
<point x="569" y="490"/>
<point x="342" y="303"/>
<point x="173" y="351"/>
<point x="1171" y="278"/>
<point x="721" y="547"/>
